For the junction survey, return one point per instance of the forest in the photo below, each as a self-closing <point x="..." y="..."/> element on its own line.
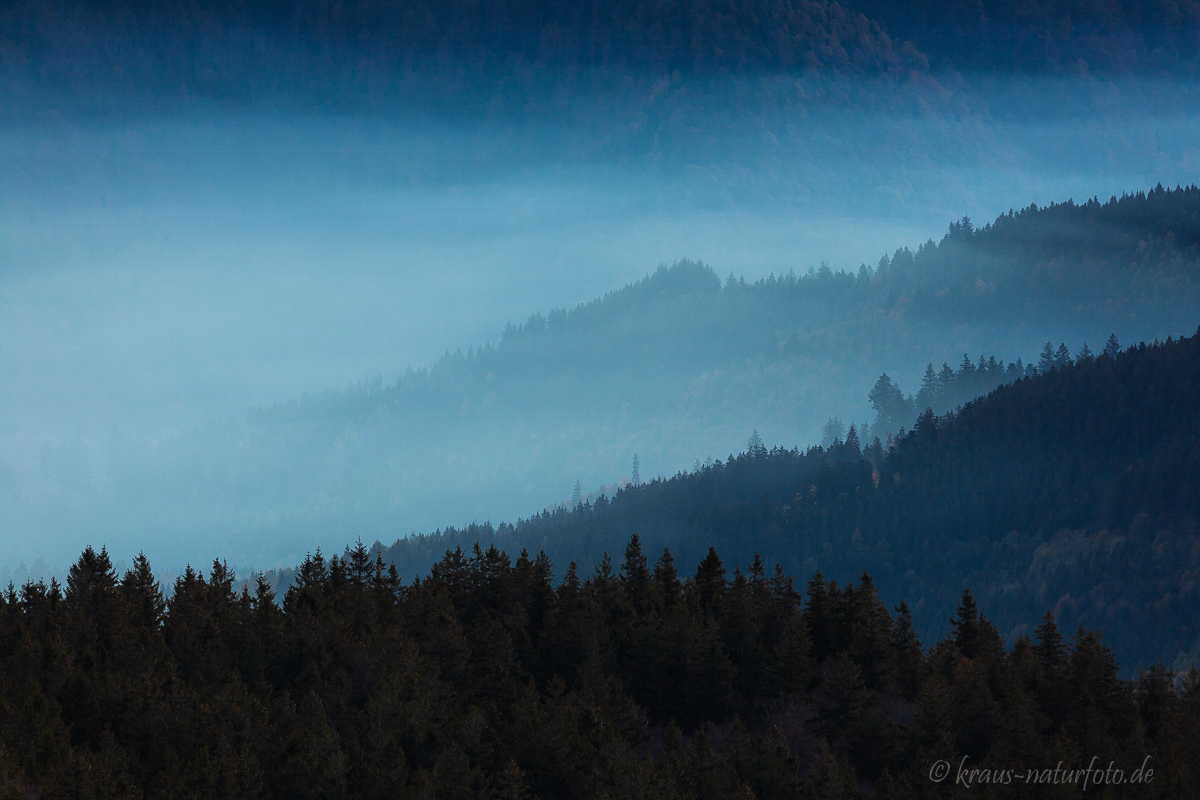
<point x="483" y="678"/>
<point x="678" y="367"/>
<point x="741" y="473"/>
<point x="471" y="48"/>
<point x="1075" y="489"/>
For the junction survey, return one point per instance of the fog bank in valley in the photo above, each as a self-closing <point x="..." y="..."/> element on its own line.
<point x="166" y="270"/>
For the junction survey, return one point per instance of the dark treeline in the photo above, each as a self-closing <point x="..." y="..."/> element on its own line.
<point x="941" y="391"/>
<point x="944" y="390"/>
<point x="1075" y="489"/>
<point x="485" y="679"/>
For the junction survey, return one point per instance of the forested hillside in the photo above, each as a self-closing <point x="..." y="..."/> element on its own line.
<point x="1045" y="36"/>
<point x="484" y="679"/>
<point x="676" y="368"/>
<point x="1076" y="490"/>
<point x="761" y="521"/>
<point x="389" y="49"/>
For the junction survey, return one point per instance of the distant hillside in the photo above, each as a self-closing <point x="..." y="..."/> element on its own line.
<point x="677" y="368"/>
<point x="681" y="34"/>
<point x="1076" y="491"/>
<point x="1046" y="36"/>
<point x="490" y="56"/>
<point x="326" y="49"/>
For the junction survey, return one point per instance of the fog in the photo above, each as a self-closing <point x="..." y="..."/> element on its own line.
<point x="169" y="269"/>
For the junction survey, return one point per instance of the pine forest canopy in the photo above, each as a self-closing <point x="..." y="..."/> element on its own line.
<point x="483" y="678"/>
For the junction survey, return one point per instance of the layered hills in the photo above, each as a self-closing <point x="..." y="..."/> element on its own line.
<point x="679" y="369"/>
<point x="1073" y="491"/>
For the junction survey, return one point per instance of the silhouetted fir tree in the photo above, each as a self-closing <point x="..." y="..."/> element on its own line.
<point x="1046" y="361"/>
<point x="1062" y="356"/>
<point x="874" y="454"/>
<point x="869" y="633"/>
<point x="306" y="592"/>
<point x="909" y="655"/>
<point x="635" y="576"/>
<point x="709" y="583"/>
<point x="852" y="443"/>
<point x="143" y="595"/>
<point x="666" y="580"/>
<point x="1112" y="348"/>
<point x="1049" y="647"/>
<point x="892" y="410"/>
<point x="930" y="393"/>
<point x="758" y="583"/>
<point x="820" y="616"/>
<point x="946" y="379"/>
<point x="966" y="369"/>
<point x="739" y="615"/>
<point x="966" y="627"/>
<point x="92" y="601"/>
<point x="831" y="432"/>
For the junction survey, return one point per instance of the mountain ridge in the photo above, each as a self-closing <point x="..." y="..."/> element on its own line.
<point x="1074" y="490"/>
<point x="673" y="368"/>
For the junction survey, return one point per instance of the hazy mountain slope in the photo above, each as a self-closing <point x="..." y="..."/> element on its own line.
<point x="1076" y="490"/>
<point x="323" y="49"/>
<point x="675" y="368"/>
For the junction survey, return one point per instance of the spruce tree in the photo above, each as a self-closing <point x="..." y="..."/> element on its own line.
<point x="1046" y="362"/>
<point x="1062" y="356"/>
<point x="1112" y="348"/>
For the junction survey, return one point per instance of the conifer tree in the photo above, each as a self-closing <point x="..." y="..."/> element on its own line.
<point x="143" y="595"/>
<point x="1112" y="348"/>
<point x="709" y="582"/>
<point x="666" y="579"/>
<point x="1046" y="361"/>
<point x="1062" y="356"/>
<point x="1049" y="646"/>
<point x="635" y="575"/>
